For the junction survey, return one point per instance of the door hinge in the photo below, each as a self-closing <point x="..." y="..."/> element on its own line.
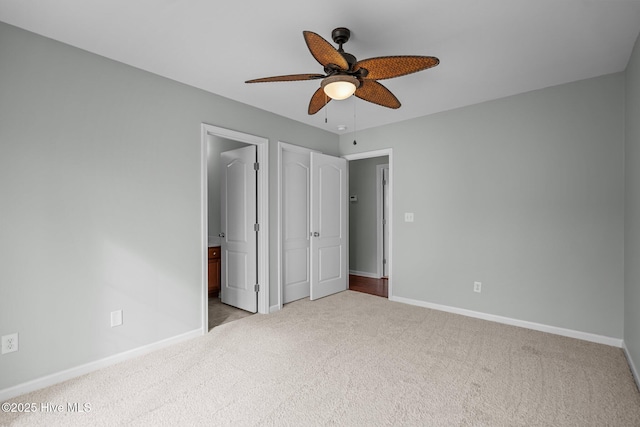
<point x="257" y="287"/>
<point x="256" y="227"/>
<point x="384" y="261"/>
<point x="256" y="166"/>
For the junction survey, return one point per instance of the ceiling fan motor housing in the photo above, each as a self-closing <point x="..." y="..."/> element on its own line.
<point x="340" y="36"/>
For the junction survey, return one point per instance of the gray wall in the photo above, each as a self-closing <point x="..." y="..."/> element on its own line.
<point x="215" y="146"/>
<point x="632" y="212"/>
<point x="525" y="194"/>
<point x="100" y="202"/>
<point x="363" y="228"/>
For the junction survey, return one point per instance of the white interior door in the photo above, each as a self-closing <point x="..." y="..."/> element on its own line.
<point x="328" y="213"/>
<point x="385" y="221"/>
<point x="296" y="177"/>
<point x="239" y="237"/>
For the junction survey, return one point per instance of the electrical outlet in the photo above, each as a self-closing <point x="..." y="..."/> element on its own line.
<point x="9" y="343"/>
<point x="408" y="217"/>
<point x="477" y="287"/>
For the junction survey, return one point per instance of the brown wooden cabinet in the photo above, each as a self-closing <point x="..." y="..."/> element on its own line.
<point x="214" y="271"/>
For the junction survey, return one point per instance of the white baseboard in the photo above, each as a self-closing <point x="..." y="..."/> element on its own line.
<point x="68" y="374"/>
<point x="364" y="274"/>
<point x="274" y="308"/>
<point x="586" y="336"/>
<point x="632" y="365"/>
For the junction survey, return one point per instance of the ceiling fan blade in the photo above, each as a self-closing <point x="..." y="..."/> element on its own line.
<point x="318" y="100"/>
<point x="323" y="51"/>
<point x="289" y="78"/>
<point x="387" y="67"/>
<point x="372" y="91"/>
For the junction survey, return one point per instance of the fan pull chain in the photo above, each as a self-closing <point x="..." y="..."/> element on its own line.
<point x="325" y="107"/>
<point x="354" y="121"/>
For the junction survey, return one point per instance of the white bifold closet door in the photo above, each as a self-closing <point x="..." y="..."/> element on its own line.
<point x="314" y="206"/>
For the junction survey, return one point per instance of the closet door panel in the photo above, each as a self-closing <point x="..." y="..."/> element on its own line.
<point x="296" y="177"/>
<point x="328" y="211"/>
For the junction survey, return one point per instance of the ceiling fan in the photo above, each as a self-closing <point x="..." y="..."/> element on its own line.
<point x="345" y="76"/>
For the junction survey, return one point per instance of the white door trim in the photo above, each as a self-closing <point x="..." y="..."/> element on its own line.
<point x="262" y="145"/>
<point x="380" y="153"/>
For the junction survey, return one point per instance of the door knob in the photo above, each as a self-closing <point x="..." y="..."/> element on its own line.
<point x="316" y="234"/>
<point x="221" y="235"/>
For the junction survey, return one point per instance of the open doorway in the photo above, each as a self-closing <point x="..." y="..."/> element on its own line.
<point x="220" y="152"/>
<point x="370" y="222"/>
<point x="216" y="141"/>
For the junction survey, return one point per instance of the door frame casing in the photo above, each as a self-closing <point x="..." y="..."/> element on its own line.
<point x="379" y="153"/>
<point x="262" y="146"/>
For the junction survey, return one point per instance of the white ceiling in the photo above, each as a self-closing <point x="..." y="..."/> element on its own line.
<point x="488" y="48"/>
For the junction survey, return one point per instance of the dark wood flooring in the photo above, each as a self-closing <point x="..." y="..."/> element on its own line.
<point x="378" y="287"/>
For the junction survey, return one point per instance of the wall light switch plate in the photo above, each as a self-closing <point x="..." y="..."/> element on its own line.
<point x="408" y="217"/>
<point x="477" y="286"/>
<point x="116" y="318"/>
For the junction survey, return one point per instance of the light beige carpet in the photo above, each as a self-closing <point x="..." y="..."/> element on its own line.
<point x="356" y="360"/>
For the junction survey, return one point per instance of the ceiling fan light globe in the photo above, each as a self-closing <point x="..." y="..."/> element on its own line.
<point x="340" y="87"/>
